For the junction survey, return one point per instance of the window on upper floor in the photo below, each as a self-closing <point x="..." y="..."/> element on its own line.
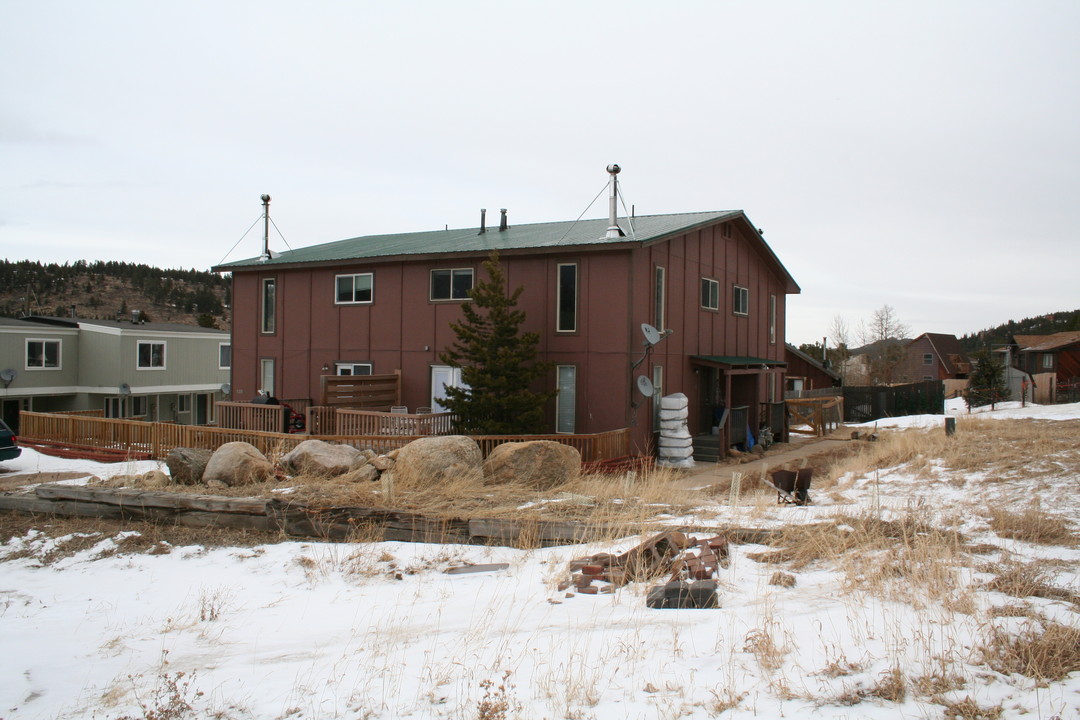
<point x="224" y="356"/>
<point x="740" y="301"/>
<point x="659" y="296"/>
<point x="928" y="359"/>
<point x="451" y="283"/>
<point x="269" y="306"/>
<point x="566" y="298"/>
<point x="710" y="294"/>
<point x="353" y="289"/>
<point x="772" y="320"/>
<point x="42" y="354"/>
<point x="151" y="355"/>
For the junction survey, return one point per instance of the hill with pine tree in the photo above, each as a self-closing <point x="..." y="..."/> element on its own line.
<point x="1041" y="325"/>
<point x="103" y="290"/>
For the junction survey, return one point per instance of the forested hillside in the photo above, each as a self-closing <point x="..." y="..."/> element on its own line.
<point x="1041" y="325"/>
<point x="101" y="290"/>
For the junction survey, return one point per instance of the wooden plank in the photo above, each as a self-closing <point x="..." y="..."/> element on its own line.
<point x="150" y="498"/>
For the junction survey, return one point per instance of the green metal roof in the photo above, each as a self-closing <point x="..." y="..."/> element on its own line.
<point x="582" y="233"/>
<point x="739" y="360"/>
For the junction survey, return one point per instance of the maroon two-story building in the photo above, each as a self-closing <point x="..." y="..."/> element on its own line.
<point x="382" y="303"/>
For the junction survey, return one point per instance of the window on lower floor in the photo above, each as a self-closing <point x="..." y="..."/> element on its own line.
<point x="451" y="283"/>
<point x="183" y="403"/>
<point x="1048" y="361"/>
<point x="151" y="355"/>
<point x="740" y="301"/>
<point x="354" y="289"/>
<point x="266" y="375"/>
<point x="353" y="368"/>
<point x="42" y="354"/>
<point x="710" y="294"/>
<point x="566" y="400"/>
<point x="138" y="406"/>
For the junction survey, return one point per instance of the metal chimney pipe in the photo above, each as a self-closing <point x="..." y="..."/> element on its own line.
<point x="502" y="220"/>
<point x="483" y="221"/>
<point x="613" y="231"/>
<point x="266" y="229"/>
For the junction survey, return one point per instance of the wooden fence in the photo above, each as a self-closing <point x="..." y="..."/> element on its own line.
<point x="823" y="415"/>
<point x="362" y="392"/>
<point x="366" y="422"/>
<point x="251" y="416"/>
<point x="157" y="439"/>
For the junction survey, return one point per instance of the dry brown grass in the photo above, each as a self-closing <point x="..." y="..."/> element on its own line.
<point x="1043" y="651"/>
<point x="969" y="709"/>
<point x="1028" y="579"/>
<point x="1032" y="524"/>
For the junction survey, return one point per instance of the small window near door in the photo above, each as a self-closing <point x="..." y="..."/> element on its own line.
<point x="138" y="406"/>
<point x="1048" y="361"/>
<point x="183" y="403"/>
<point x="114" y="407"/>
<point x="353" y="368"/>
<point x="658" y="394"/>
<point x="266" y="375"/>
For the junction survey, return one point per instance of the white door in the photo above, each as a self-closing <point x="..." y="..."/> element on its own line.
<point x="443" y="376"/>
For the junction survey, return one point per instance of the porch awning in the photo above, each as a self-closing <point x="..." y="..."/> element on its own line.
<point x="738" y="361"/>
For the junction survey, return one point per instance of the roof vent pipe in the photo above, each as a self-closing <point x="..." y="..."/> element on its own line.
<point x="613" y="231"/>
<point x="483" y="221"/>
<point x="266" y="229"/>
<point x="502" y="220"/>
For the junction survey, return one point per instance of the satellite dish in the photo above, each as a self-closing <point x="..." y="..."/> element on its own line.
<point x="226" y="388"/>
<point x="645" y="386"/>
<point x="652" y="335"/>
<point x="8" y="375"/>
<point x="125" y="389"/>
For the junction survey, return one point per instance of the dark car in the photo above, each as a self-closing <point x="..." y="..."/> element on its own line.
<point x="9" y="449"/>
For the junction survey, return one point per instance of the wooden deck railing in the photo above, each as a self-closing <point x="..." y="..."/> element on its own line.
<point x="366" y="422"/>
<point x="251" y="416"/>
<point x="83" y="413"/>
<point x="362" y="392"/>
<point x="823" y="415"/>
<point x="157" y="439"/>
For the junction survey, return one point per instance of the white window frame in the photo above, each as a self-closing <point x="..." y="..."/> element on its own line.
<point x="354" y="290"/>
<point x="740" y="298"/>
<point x="221" y="350"/>
<point x="559" y="298"/>
<point x="43" y="342"/>
<point x="1047" y="361"/>
<point x="772" y="320"/>
<point x="566" y="403"/>
<point x="712" y="302"/>
<point x="348" y="368"/>
<point x="267" y="370"/>
<point x="660" y="297"/>
<point x="454" y="273"/>
<point x="928" y="358"/>
<point x="139" y="403"/>
<point x="138" y="355"/>
<point x="268" y="306"/>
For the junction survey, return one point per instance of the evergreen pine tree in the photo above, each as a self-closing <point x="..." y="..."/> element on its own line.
<point x="498" y="362"/>
<point x="986" y="383"/>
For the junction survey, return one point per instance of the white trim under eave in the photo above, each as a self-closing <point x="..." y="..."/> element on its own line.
<point x="108" y="390"/>
<point x="136" y="330"/>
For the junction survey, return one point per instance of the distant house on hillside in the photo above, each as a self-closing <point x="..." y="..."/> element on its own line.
<point x="150" y="371"/>
<point x="935" y="356"/>
<point x="1049" y="359"/>
<point x="384" y="303"/>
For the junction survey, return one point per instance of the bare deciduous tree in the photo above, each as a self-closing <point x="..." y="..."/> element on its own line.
<point x="884" y="335"/>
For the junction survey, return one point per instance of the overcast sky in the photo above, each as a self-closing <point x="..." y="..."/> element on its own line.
<point x="924" y="155"/>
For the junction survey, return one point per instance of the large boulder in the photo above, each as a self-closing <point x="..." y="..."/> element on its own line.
<point x="237" y="463"/>
<point x="433" y="460"/>
<point x="540" y="464"/>
<point x="317" y="457"/>
<point x="186" y="465"/>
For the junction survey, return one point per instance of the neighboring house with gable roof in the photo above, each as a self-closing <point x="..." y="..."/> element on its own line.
<point x="149" y="371"/>
<point x="805" y="373"/>
<point x="1053" y="357"/>
<point x="935" y="356"/>
<point x="383" y="303"/>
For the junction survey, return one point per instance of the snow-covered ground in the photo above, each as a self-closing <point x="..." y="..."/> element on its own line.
<point x="319" y="630"/>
